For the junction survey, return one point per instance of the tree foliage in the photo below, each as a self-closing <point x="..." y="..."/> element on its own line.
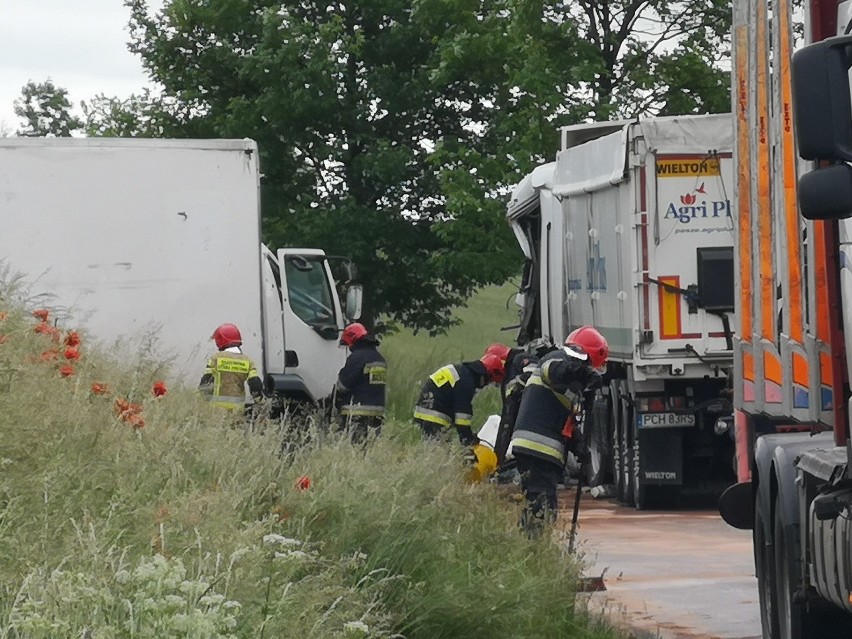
<point x="46" y="110"/>
<point x="391" y="130"/>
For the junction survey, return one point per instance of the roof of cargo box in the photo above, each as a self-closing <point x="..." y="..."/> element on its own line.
<point x="576" y="134"/>
<point x="524" y="197"/>
<point x="244" y="144"/>
<point x="601" y="160"/>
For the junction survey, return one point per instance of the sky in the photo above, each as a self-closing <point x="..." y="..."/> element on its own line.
<point x="80" y="44"/>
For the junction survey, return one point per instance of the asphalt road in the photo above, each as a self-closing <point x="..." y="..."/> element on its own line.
<point x="671" y="574"/>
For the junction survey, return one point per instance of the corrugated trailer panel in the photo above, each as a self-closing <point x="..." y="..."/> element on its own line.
<point x="646" y="208"/>
<point x="783" y="358"/>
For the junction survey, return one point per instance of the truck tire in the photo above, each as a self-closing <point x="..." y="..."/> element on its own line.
<point x="618" y="474"/>
<point x="598" y="423"/>
<point x="628" y="453"/>
<point x="791" y="616"/>
<point x="764" y="563"/>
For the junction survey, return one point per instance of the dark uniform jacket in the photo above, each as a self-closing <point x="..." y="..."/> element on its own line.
<point x="553" y="394"/>
<point x="361" y="381"/>
<point x="447" y="396"/>
<point x="518" y="371"/>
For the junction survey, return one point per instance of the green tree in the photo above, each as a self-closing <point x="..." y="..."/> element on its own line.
<point x="143" y="115"/>
<point x="657" y="56"/>
<point x="46" y="110"/>
<point x="390" y="130"/>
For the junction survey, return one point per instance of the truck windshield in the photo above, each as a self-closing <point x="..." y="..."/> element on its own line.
<point x="309" y="290"/>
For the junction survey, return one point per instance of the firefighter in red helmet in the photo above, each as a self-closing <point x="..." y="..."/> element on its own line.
<point x="229" y="370"/>
<point x="360" y="390"/>
<point x="554" y="396"/>
<point x="446" y="399"/>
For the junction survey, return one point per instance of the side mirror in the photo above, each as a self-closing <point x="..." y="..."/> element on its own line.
<point x="354" y="300"/>
<point x="826" y="193"/>
<point x="822" y="111"/>
<point x="822" y="107"/>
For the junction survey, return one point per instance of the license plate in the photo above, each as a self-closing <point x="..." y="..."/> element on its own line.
<point x="665" y="420"/>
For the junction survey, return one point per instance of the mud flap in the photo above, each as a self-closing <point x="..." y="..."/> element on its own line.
<point x="661" y="456"/>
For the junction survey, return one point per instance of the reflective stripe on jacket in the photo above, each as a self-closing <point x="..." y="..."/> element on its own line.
<point x="361" y="382"/>
<point x="544" y="410"/>
<point x="229" y="371"/>
<point x="447" y="396"/>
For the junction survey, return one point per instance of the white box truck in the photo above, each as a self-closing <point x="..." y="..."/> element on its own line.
<point x="630" y="230"/>
<point x="153" y="241"/>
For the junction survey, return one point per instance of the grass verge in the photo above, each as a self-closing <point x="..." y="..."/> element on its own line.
<point x="125" y="514"/>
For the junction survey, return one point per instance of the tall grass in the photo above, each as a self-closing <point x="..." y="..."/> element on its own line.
<point x="191" y="526"/>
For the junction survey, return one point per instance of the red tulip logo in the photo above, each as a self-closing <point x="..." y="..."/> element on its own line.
<point x="688" y="199"/>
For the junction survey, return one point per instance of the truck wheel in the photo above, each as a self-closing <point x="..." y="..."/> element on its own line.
<point x="597" y="470"/>
<point x="628" y="453"/>
<point x="618" y="474"/>
<point x="641" y="492"/>
<point x="764" y="563"/>
<point x="791" y="616"/>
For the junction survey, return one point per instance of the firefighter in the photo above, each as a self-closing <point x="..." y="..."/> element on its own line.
<point x="229" y="370"/>
<point x="544" y="430"/>
<point x="447" y="397"/>
<point x="518" y="370"/>
<point x="361" y="384"/>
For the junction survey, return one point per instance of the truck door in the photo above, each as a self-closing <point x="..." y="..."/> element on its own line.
<point x="313" y="319"/>
<point x="690" y="253"/>
<point x="272" y="302"/>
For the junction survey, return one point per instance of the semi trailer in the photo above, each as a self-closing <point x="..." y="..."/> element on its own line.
<point x="630" y="229"/>
<point x="792" y="368"/>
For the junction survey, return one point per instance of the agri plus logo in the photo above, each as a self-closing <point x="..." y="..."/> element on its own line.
<point x="694" y="205"/>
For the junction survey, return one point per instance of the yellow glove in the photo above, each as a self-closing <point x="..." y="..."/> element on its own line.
<point x="484" y="466"/>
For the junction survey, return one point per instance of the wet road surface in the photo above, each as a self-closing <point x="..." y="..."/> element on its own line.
<point x="681" y="574"/>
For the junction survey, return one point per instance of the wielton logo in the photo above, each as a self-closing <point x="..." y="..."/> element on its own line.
<point x="694" y="209"/>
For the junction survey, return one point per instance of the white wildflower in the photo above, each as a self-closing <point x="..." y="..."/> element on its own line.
<point x="273" y="539"/>
<point x="175" y="601"/>
<point x="122" y="576"/>
<point x="292" y="554"/>
<point x="212" y="600"/>
<point x="356" y="627"/>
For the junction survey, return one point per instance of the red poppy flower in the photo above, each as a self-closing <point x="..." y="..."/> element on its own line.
<point x="49" y="356"/>
<point x="136" y="420"/>
<point x="43" y="328"/>
<point x="159" y="389"/>
<point x="3" y="339"/>
<point x="125" y="409"/>
<point x="303" y="482"/>
<point x="41" y="314"/>
<point x="72" y="339"/>
<point x="72" y="353"/>
<point x="66" y="370"/>
<point x="99" y="389"/>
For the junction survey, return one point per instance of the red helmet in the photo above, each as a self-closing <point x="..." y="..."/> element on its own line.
<point x="227" y="335"/>
<point x="495" y="368"/>
<point x="353" y="333"/>
<point x="592" y="343"/>
<point x="500" y="350"/>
